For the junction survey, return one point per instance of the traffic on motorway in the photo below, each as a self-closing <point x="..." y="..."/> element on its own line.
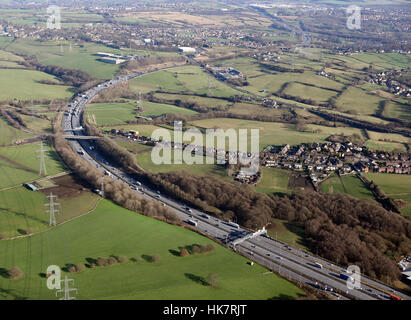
<point x="294" y="263"/>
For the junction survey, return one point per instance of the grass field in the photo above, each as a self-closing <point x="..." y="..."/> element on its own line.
<point x="274" y="81"/>
<point x="203" y="101"/>
<point x="398" y="110"/>
<point x="288" y="232"/>
<point x="386" y="146"/>
<point x="276" y="132"/>
<point x="120" y="113"/>
<point x="24" y="85"/>
<point x="145" y="161"/>
<point x="346" y="184"/>
<point x="20" y="164"/>
<point x="8" y="134"/>
<point x="303" y="91"/>
<point x="187" y="79"/>
<point x="60" y="54"/>
<point x="359" y="101"/>
<point x="273" y="180"/>
<point x="114" y="230"/>
<point x="397" y="186"/>
<point x="21" y="209"/>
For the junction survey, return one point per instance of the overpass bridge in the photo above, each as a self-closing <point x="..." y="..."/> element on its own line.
<point x="249" y="236"/>
<point x="73" y="137"/>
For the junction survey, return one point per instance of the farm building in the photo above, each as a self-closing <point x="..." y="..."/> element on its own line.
<point x="30" y="187"/>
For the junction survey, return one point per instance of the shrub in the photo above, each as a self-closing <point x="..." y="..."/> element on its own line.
<point x="72" y="268"/>
<point x="196" y="249"/>
<point x="102" y="262"/>
<point x="80" y="267"/>
<point x="184" y="252"/>
<point x="156" y="258"/>
<point x="212" y="280"/>
<point x="112" y="260"/>
<point x="122" y="259"/>
<point x="15" y="273"/>
<point x="210" y="247"/>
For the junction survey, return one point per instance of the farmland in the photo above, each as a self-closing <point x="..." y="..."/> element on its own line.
<point x="188" y="79"/>
<point x="8" y="134"/>
<point x="21" y="164"/>
<point x="200" y="168"/>
<point x="276" y="132"/>
<point x="274" y="181"/>
<point x="346" y="184"/>
<point x="395" y="186"/>
<point x="21" y="209"/>
<point x="120" y="113"/>
<point x="111" y="230"/>
<point x="25" y="85"/>
<point x="359" y="101"/>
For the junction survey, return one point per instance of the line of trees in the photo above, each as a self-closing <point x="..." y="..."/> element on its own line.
<point x="70" y="77"/>
<point x="338" y="227"/>
<point x="117" y="191"/>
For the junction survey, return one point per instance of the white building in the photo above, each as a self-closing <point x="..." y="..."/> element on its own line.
<point x="187" y="50"/>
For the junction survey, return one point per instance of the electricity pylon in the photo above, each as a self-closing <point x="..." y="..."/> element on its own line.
<point x="42" y="162"/>
<point x="66" y="290"/>
<point x="52" y="210"/>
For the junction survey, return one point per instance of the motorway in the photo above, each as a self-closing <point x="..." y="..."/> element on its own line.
<point x="290" y="262"/>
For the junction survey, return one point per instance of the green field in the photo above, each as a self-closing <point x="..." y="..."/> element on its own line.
<point x="21" y="209"/>
<point x="398" y="110"/>
<point x="396" y="186"/>
<point x="59" y="53"/>
<point x="8" y="134"/>
<point x="386" y="146"/>
<point x="120" y="113"/>
<point x="22" y="164"/>
<point x="357" y="100"/>
<point x="276" y="132"/>
<point x="203" y="101"/>
<point x="24" y="85"/>
<point x="273" y="180"/>
<point x="111" y="230"/>
<point x="145" y="161"/>
<point x="187" y="79"/>
<point x="346" y="184"/>
<point x="303" y="91"/>
<point x="288" y="232"/>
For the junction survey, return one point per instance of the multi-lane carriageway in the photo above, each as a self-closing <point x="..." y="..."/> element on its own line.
<point x="290" y="262"/>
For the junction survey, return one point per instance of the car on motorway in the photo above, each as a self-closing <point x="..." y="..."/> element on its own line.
<point x="158" y="196"/>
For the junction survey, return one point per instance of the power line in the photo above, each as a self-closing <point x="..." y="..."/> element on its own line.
<point x="66" y="290"/>
<point x="42" y="160"/>
<point x="52" y="210"/>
